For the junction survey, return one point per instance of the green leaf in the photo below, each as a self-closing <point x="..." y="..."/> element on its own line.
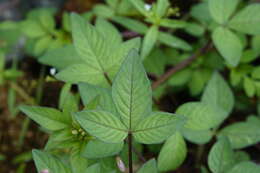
<point x="150" y="39"/>
<point x="197" y="136"/>
<point x="249" y="86"/>
<point x="173" y="41"/>
<point x="162" y="7"/>
<point x="245" y="167"/>
<point x="98" y="149"/>
<point x="217" y="93"/>
<point x="103" y="11"/>
<point x="155" y="65"/>
<point x="131" y="91"/>
<point x="246" y="18"/>
<point x="129" y="23"/>
<point x="103" y="125"/>
<point x="157" y="127"/>
<point x="242" y="134"/>
<point x="109" y="31"/>
<point x="221" y="156"/>
<point x="256" y="73"/>
<point x="171" y="23"/>
<point x="89" y="92"/>
<point x="32" y="29"/>
<point x="96" y="168"/>
<point x="78" y="162"/>
<point x="140" y="6"/>
<point x="256" y="44"/>
<point x="201" y="12"/>
<point x="221" y="10"/>
<point x="48" y="118"/>
<point x="173" y="153"/>
<point x="42" y="45"/>
<point x="45" y="161"/>
<point x="181" y="77"/>
<point x="149" y="167"/>
<point x="232" y="49"/>
<point x="61" y="57"/>
<point x="81" y="73"/>
<point x="200" y="116"/>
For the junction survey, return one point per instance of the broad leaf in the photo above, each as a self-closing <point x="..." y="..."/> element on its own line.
<point x="173" y="153"/>
<point x="157" y="127"/>
<point x="228" y="44"/>
<point x="46" y="162"/>
<point x="96" y="168"/>
<point x="98" y="149"/>
<point x="197" y="136"/>
<point x="149" y="167"/>
<point x="242" y="134"/>
<point x="200" y="116"/>
<point x="78" y="162"/>
<point x="103" y="125"/>
<point x="247" y="20"/>
<point x="89" y="92"/>
<point x="61" y="58"/>
<point x="140" y="6"/>
<point x="217" y="93"/>
<point x="245" y="167"/>
<point x="221" y="156"/>
<point x="48" y="118"/>
<point x="131" y="91"/>
<point x="221" y="10"/>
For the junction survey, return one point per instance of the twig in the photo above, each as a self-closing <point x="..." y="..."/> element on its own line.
<point x="181" y="65"/>
<point x="141" y="158"/>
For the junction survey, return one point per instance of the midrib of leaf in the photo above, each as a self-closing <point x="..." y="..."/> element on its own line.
<point x="131" y="99"/>
<point x="107" y="126"/>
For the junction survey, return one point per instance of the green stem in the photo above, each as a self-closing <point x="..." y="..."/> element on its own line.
<point x="199" y="155"/>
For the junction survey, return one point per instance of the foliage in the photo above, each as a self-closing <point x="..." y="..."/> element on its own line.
<point x="125" y="58"/>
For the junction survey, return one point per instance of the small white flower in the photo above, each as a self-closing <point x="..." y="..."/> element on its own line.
<point x="53" y="71"/>
<point x="147" y="7"/>
<point x="120" y="164"/>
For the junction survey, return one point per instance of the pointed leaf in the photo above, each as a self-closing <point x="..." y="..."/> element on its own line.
<point x="200" y="116"/>
<point x="103" y="125"/>
<point x="218" y="93"/>
<point x="131" y="91"/>
<point x="173" y="153"/>
<point x="242" y="134"/>
<point x="96" y="168"/>
<point x="150" y="39"/>
<point x="245" y="167"/>
<point x="46" y="162"/>
<point x="246" y="18"/>
<point x="221" y="10"/>
<point x="149" y="167"/>
<point x="221" y="156"/>
<point x="228" y="44"/>
<point x="48" y="118"/>
<point x="157" y="127"/>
